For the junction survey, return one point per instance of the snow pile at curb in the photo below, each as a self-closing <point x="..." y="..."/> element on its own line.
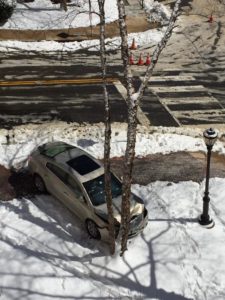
<point x="18" y="143"/>
<point x="150" y="37"/>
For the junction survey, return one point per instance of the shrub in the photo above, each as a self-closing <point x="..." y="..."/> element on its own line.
<point x="6" y="10"/>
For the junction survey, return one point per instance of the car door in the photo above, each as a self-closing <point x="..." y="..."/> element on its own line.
<point x="55" y="180"/>
<point x="64" y="187"/>
<point x="79" y="204"/>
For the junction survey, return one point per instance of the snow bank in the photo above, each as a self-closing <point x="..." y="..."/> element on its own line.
<point x="149" y="37"/>
<point x="18" y="143"/>
<point x="42" y="14"/>
<point x="157" y="12"/>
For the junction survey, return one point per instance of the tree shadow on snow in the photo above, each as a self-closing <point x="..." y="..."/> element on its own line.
<point x="58" y="222"/>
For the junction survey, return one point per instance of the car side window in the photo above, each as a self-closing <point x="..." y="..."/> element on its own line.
<point x="67" y="179"/>
<point x="58" y="172"/>
<point x="75" y="187"/>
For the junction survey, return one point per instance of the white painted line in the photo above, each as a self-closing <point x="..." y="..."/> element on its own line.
<point x="171" y="78"/>
<point x="189" y="100"/>
<point x="201" y="113"/>
<point x="165" y="2"/>
<point x="167" y="89"/>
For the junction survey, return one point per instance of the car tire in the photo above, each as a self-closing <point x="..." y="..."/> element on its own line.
<point x="39" y="184"/>
<point x="92" y="229"/>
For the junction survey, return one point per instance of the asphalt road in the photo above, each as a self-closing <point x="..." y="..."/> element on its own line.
<point x="53" y="91"/>
<point x="188" y="87"/>
<point x="37" y="94"/>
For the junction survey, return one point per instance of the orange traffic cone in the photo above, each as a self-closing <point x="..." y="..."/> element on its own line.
<point x="140" y="61"/>
<point x="133" y="45"/>
<point x="210" y="19"/>
<point x="148" y="60"/>
<point x="131" y="59"/>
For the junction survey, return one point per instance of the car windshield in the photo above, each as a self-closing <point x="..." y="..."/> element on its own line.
<point x="55" y="149"/>
<point x="96" y="189"/>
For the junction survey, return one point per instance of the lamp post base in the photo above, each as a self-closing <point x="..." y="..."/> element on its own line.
<point x="206" y="223"/>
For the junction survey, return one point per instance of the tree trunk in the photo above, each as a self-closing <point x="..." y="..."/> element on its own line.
<point x="131" y="131"/>
<point x="108" y="192"/>
<point x="63" y="5"/>
<point x="133" y="101"/>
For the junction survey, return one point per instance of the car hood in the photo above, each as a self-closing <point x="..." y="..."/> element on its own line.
<point x="136" y="207"/>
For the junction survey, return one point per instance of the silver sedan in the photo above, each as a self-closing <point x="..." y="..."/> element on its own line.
<point x="77" y="179"/>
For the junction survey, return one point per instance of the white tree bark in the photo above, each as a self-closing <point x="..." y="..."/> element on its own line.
<point x="63" y="5"/>
<point x="131" y="130"/>
<point x="108" y="192"/>
<point x="133" y="101"/>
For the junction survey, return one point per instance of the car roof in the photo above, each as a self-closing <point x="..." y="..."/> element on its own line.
<point x="74" y="159"/>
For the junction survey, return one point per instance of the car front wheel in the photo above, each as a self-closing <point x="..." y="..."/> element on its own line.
<point x="92" y="229"/>
<point x="39" y="184"/>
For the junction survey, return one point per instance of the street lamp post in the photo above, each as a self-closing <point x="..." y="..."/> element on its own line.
<point x="210" y="137"/>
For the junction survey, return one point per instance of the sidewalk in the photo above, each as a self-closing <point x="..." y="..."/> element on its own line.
<point x="173" y="167"/>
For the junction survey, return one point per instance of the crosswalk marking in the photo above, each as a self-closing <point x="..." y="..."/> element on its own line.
<point x="167" y="89"/>
<point x="171" y="78"/>
<point x="209" y="112"/>
<point x="187" y="101"/>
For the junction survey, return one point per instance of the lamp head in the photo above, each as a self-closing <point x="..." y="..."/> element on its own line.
<point x="210" y="137"/>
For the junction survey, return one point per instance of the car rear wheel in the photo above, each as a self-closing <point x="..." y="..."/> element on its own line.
<point x="39" y="184"/>
<point x="92" y="229"/>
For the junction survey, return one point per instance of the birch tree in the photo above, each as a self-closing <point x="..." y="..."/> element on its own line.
<point x="63" y="4"/>
<point x="133" y="99"/>
<point x="108" y="192"/>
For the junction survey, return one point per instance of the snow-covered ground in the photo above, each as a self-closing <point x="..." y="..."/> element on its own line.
<point x="18" y="143"/>
<point x="42" y="14"/>
<point x="37" y="15"/>
<point x="46" y="253"/>
<point x="150" y="37"/>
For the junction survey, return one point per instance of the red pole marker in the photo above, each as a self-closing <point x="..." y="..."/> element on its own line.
<point x="210" y="19"/>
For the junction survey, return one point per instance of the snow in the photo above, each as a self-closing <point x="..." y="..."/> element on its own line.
<point x="24" y="139"/>
<point x="46" y="253"/>
<point x="157" y="12"/>
<point x="45" y="250"/>
<point x="42" y="14"/>
<point x="150" y="37"/>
